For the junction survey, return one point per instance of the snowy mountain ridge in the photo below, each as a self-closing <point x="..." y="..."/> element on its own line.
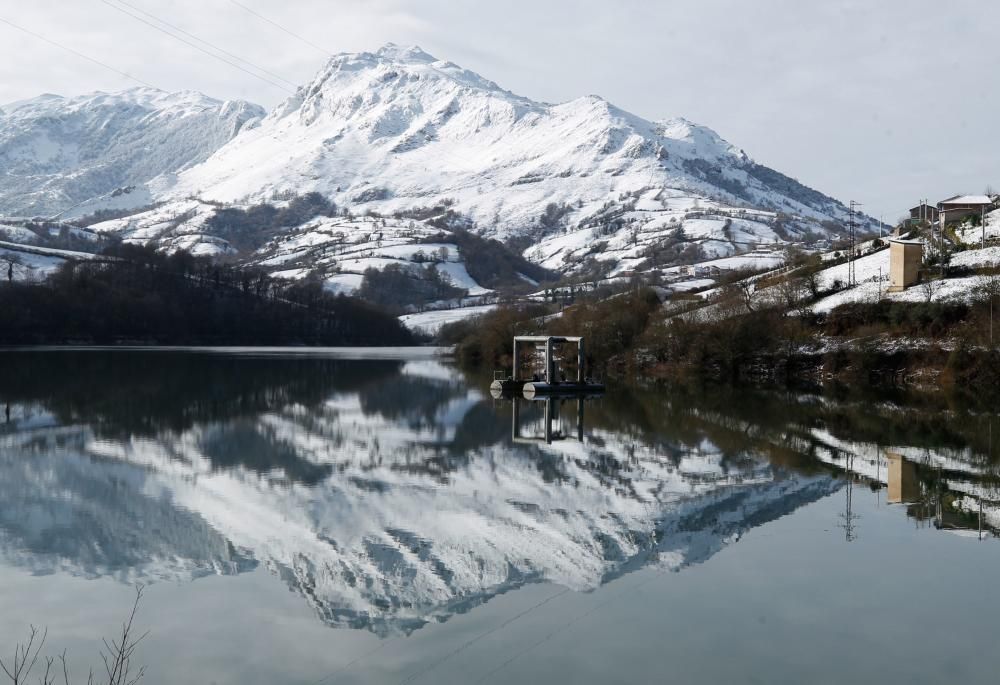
<point x="398" y="128"/>
<point x="58" y="152"/>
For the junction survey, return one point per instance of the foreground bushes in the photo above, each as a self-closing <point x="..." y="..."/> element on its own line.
<point x="740" y="339"/>
<point x="611" y="328"/>
<point x="899" y="318"/>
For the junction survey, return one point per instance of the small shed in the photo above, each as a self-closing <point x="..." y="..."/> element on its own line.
<point x="905" y="258"/>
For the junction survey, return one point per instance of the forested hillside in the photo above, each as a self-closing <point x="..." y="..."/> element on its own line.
<point x="134" y="294"/>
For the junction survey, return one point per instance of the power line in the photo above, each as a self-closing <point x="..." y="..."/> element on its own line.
<point x="569" y="624"/>
<point x="279" y="26"/>
<point x="209" y="43"/>
<point x="198" y="47"/>
<point x="461" y="648"/>
<point x="77" y="53"/>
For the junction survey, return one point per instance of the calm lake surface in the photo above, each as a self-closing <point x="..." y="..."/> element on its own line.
<point x="379" y="518"/>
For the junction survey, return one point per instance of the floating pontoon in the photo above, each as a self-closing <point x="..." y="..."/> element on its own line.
<point x="550" y="380"/>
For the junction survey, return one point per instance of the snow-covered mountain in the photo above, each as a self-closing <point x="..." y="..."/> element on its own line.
<point x="58" y="152"/>
<point x="425" y="146"/>
<point x="398" y="128"/>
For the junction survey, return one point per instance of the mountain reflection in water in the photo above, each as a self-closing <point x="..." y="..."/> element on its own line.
<point x="392" y="493"/>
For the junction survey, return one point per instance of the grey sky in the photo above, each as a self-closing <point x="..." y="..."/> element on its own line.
<point x="883" y="102"/>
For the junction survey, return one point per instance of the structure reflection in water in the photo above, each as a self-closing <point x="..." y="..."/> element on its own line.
<point x="562" y="418"/>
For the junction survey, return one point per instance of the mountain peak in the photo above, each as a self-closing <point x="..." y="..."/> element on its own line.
<point x="404" y="53"/>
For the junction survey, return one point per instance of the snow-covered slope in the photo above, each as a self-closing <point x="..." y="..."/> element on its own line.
<point x="338" y="249"/>
<point x="58" y="152"/>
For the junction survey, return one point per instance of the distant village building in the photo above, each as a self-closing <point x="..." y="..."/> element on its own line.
<point x="700" y="270"/>
<point x="962" y="207"/>
<point x="905" y="258"/>
<point x="923" y="213"/>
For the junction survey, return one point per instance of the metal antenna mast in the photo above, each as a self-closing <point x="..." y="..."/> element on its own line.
<point x="850" y="530"/>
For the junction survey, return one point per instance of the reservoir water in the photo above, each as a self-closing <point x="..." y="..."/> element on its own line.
<point x="376" y="517"/>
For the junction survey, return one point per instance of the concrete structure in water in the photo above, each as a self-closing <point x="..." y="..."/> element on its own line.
<point x="551" y="380"/>
<point x="905" y="258"/>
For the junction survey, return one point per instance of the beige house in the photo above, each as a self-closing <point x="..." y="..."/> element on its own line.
<point x="962" y="207"/>
<point x="905" y="258"/>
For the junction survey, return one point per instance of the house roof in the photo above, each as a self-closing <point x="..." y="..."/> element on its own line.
<point x="968" y="200"/>
<point x="904" y="241"/>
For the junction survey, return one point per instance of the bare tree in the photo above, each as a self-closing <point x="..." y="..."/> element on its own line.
<point x="747" y="289"/>
<point x="792" y="291"/>
<point x="929" y="288"/>
<point x="117" y="656"/>
<point x="989" y="291"/>
<point x="11" y="260"/>
<point x="989" y="287"/>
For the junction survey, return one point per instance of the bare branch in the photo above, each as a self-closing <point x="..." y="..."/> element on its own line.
<point x="117" y="656"/>
<point x="65" y="668"/>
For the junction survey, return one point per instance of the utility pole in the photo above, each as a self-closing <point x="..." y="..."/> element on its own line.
<point x="941" y="246"/>
<point x="982" y="222"/>
<point x="852" y="226"/>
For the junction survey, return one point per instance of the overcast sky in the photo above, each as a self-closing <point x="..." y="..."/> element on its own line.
<point x="883" y="102"/>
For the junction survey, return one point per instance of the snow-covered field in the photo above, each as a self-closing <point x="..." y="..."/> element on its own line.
<point x="339" y="249"/>
<point x="176" y="226"/>
<point x="952" y="289"/>
<point x="973" y="235"/>
<point x="872" y="275"/>
<point x="18" y="234"/>
<point x="28" y="267"/>
<point x="33" y="263"/>
<point x="985" y="257"/>
<point x="431" y="322"/>
<point x="718" y="231"/>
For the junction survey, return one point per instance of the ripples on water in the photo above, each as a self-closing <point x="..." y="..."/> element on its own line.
<point x="392" y="495"/>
